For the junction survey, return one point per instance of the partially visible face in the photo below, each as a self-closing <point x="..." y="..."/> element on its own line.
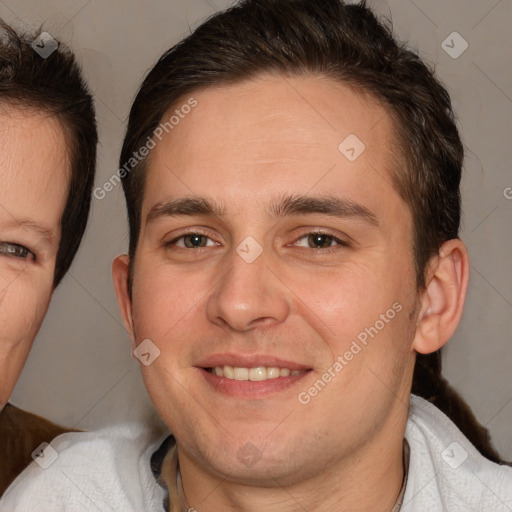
<point x="33" y="176"/>
<point x="271" y="253"/>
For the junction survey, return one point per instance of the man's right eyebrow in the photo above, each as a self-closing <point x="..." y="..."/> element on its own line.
<point x="186" y="206"/>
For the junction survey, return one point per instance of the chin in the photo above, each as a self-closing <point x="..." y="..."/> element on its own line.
<point x="248" y="457"/>
<point x="249" y="466"/>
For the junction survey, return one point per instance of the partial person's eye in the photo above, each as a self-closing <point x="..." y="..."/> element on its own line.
<point x="193" y="241"/>
<point x="319" y="241"/>
<point x="16" y="251"/>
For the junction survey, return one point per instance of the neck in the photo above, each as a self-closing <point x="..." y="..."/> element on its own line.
<point x="370" y="479"/>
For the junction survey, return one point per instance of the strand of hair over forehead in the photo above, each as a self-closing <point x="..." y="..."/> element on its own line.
<point x="256" y="36"/>
<point x="298" y="37"/>
<point x="285" y="20"/>
<point x="22" y="66"/>
<point x="295" y="37"/>
<point x="9" y="40"/>
<point x="273" y="33"/>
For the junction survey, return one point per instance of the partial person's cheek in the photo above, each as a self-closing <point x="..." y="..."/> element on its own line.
<point x="22" y="310"/>
<point x="20" y="315"/>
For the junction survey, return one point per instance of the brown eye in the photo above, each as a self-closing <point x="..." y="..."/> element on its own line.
<point x="195" y="240"/>
<point x="320" y="241"/>
<point x="16" y="251"/>
<point x="191" y="240"/>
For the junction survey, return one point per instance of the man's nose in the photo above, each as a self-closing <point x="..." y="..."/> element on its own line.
<point x="249" y="295"/>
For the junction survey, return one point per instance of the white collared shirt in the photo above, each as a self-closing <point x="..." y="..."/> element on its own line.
<point x="109" y="471"/>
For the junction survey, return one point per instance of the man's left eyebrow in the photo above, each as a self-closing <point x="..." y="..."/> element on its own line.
<point x="325" y="205"/>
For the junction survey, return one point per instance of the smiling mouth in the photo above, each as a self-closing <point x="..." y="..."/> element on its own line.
<point x="257" y="374"/>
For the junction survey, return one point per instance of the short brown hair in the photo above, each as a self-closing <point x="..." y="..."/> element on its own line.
<point x="347" y="43"/>
<point x="55" y="85"/>
<point x="329" y="38"/>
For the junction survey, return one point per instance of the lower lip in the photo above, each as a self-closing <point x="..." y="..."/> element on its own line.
<point x="251" y="389"/>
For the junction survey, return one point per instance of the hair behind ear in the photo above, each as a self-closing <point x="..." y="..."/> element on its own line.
<point x="428" y="383"/>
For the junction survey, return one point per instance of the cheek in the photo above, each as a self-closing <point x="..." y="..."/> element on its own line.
<point x="165" y="300"/>
<point x="341" y="302"/>
<point x="22" y="310"/>
<point x="361" y="313"/>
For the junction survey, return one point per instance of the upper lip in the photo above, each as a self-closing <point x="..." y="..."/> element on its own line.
<point x="249" y="361"/>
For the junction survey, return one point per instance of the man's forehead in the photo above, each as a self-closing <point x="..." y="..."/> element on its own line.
<point x="294" y="105"/>
<point x="314" y="133"/>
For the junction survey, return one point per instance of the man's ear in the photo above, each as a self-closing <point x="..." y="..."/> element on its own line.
<point x="443" y="299"/>
<point x="120" y="273"/>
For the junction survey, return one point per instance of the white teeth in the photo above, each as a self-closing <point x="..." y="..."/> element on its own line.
<point x="272" y="372"/>
<point x="240" y="373"/>
<point x="227" y="371"/>
<point x="256" y="374"/>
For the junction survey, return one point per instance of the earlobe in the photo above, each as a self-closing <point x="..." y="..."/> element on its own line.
<point x="120" y="273"/>
<point x="442" y="302"/>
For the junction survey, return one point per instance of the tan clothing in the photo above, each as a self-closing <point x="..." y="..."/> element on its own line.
<point x="20" y="434"/>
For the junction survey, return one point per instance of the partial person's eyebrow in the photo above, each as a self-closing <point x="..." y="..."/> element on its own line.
<point x="35" y="227"/>
<point x="43" y="231"/>
<point x="324" y="205"/>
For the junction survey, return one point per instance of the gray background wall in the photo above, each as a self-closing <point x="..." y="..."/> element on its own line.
<point x="81" y="373"/>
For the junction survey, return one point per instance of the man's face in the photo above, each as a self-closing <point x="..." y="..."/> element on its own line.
<point x="33" y="173"/>
<point x="267" y="244"/>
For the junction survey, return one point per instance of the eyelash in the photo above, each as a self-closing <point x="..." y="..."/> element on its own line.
<point x="338" y="241"/>
<point x="28" y="254"/>
<point x="174" y="241"/>
<point x="334" y="238"/>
